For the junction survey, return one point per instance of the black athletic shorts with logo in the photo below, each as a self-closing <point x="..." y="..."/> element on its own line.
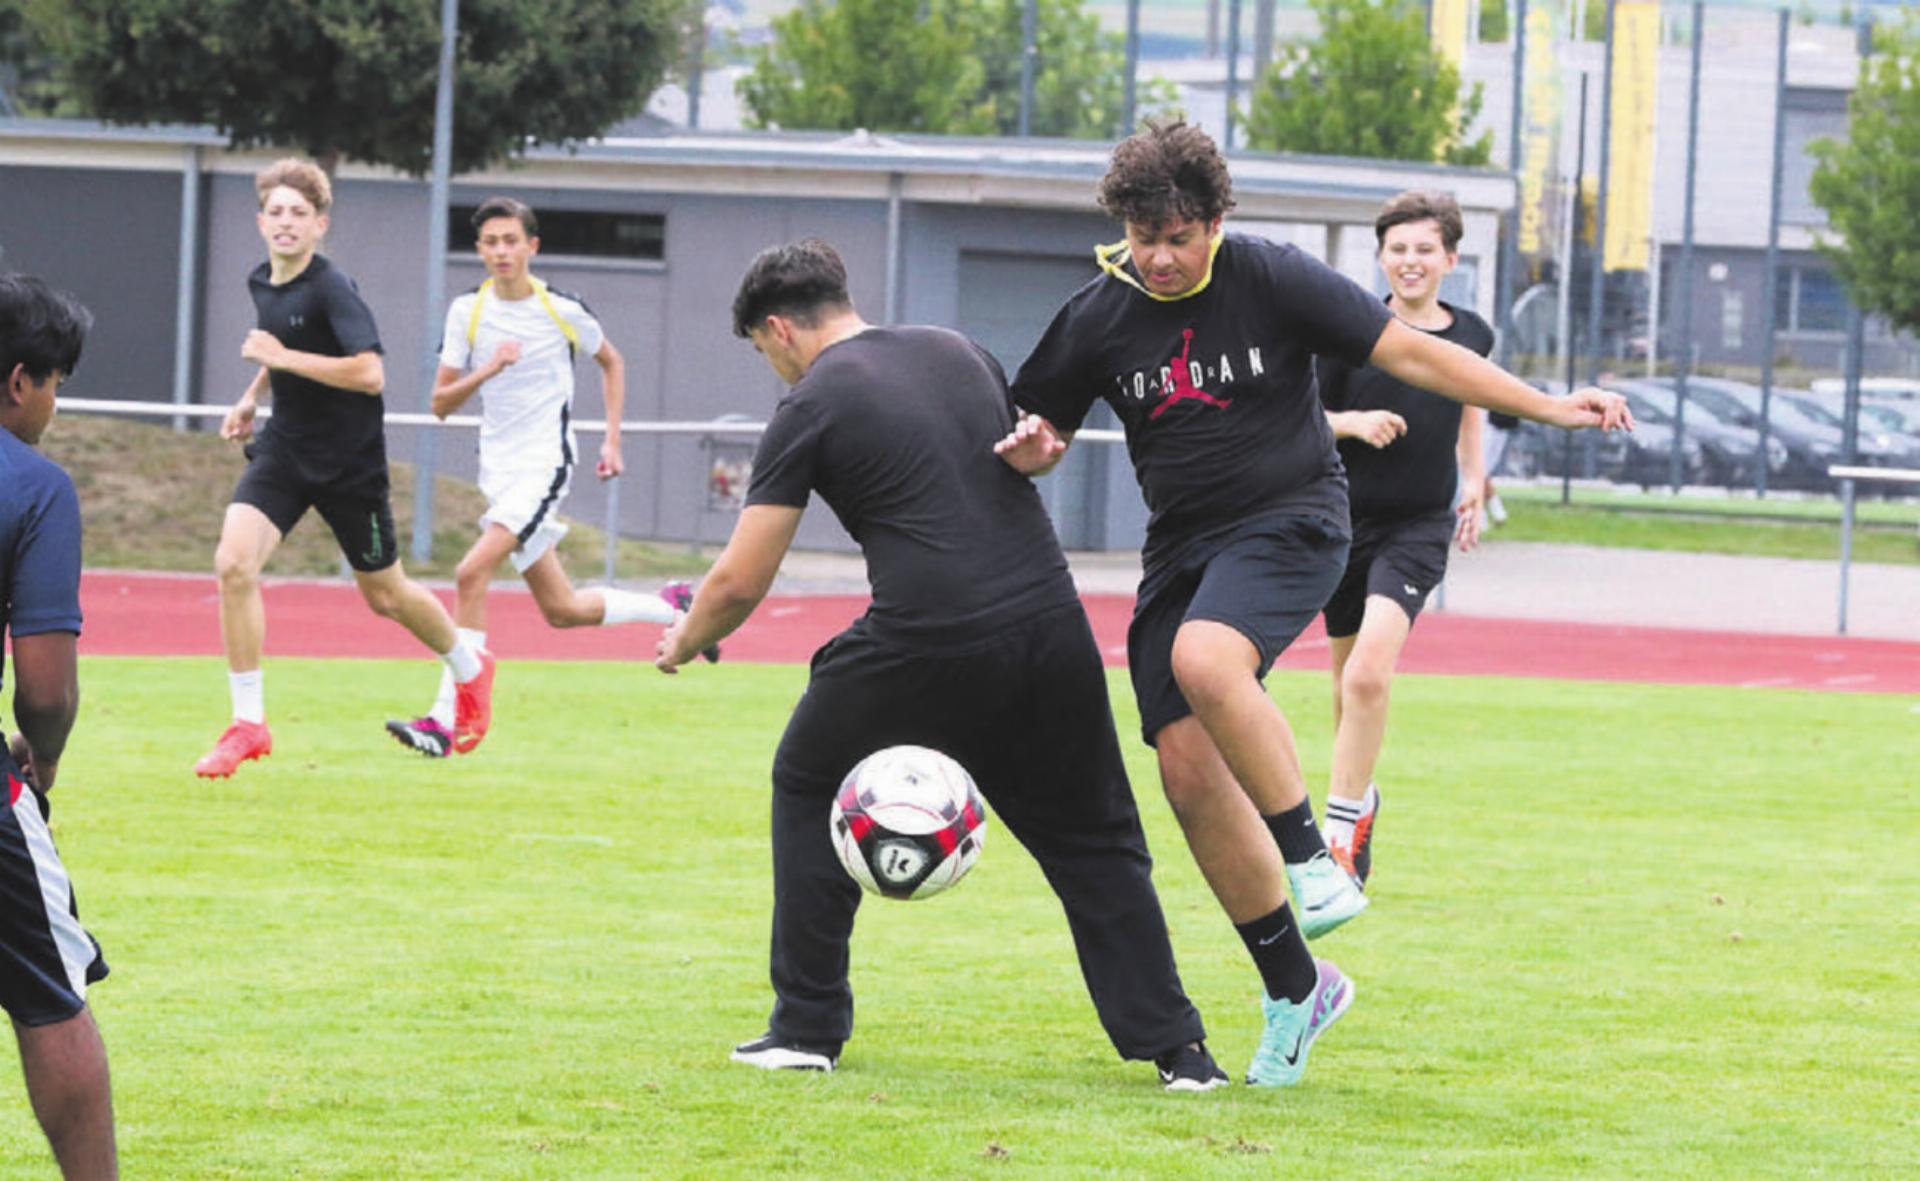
<point x="1266" y="578"/>
<point x="47" y="959"/>
<point x="1402" y="559"/>
<point x="355" y="505"/>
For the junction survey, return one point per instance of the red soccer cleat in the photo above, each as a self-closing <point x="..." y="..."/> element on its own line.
<point x="473" y="707"/>
<point x="241" y="742"/>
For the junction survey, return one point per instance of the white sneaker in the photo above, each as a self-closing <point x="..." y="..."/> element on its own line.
<point x="1326" y="894"/>
<point x="1496" y="511"/>
<point x="775" y="1053"/>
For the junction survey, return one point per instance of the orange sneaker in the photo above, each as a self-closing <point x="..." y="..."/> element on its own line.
<point x="241" y="742"/>
<point x="473" y="707"/>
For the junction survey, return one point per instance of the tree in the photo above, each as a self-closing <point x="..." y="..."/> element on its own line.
<point x="1869" y="184"/>
<point x="1371" y="84"/>
<point x="29" y="82"/>
<point x="941" y="66"/>
<point x="355" y="78"/>
<point x="885" y="65"/>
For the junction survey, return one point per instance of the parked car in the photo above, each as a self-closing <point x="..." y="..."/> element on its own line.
<point x="1730" y="454"/>
<point x="1537" y="449"/>
<point x="1889" y="432"/>
<point x="1812" y="446"/>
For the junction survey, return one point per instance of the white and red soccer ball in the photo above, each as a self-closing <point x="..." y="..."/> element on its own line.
<point x="907" y="822"/>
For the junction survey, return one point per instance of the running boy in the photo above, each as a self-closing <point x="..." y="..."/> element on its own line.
<point x="1203" y="344"/>
<point x="1399" y="444"/>
<point x="529" y="335"/>
<point x="325" y="448"/>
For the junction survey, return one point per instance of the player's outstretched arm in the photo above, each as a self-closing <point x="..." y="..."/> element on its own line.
<point x="46" y="699"/>
<point x="1375" y="428"/>
<point x="361" y="373"/>
<point x="1033" y="447"/>
<point x="1445" y="368"/>
<point x="740" y="578"/>
<point x="613" y="395"/>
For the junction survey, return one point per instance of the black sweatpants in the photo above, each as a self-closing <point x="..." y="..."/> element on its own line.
<point x="1026" y="712"/>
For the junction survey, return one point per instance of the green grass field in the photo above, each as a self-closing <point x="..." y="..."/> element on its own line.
<point x="1619" y="932"/>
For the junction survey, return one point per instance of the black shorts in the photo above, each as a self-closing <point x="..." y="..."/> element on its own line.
<point x="47" y="959"/>
<point x="1265" y="580"/>
<point x="1401" y="559"/>
<point x="356" y="506"/>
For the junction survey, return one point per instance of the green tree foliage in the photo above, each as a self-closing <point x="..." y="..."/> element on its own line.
<point x="1869" y="184"/>
<point x="1371" y="84"/>
<point x="1493" y="21"/>
<point x="941" y="67"/>
<point x="28" y="73"/>
<point x="355" y="78"/>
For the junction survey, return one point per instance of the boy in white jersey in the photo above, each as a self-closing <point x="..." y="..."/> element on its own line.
<point x="518" y="338"/>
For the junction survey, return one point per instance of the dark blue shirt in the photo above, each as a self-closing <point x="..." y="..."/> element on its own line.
<point x="39" y="543"/>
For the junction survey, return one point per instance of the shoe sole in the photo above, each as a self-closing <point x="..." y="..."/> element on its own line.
<point x="1314" y="925"/>
<point x="782" y="1059"/>
<point x="1193" y="1086"/>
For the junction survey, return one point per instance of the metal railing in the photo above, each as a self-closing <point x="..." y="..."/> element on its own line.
<point x="1847" y="474"/>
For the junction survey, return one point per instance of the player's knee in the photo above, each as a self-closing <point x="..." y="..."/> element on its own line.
<point x="384" y="601"/>
<point x="567" y="612"/>
<point x="471" y="577"/>
<point x="234" y="567"/>
<point x="1363" y="685"/>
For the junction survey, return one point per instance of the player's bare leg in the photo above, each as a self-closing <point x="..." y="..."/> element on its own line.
<point x="1216" y="668"/>
<point x="1363" y="666"/>
<point x="72" y="1096"/>
<point x="475" y="574"/>
<point x="247" y="539"/>
<point x="392" y="595"/>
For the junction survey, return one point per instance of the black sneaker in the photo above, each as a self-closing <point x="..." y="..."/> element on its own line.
<point x="771" y="1052"/>
<point x="679" y="596"/>
<point x="1190" y="1068"/>
<point x="424" y="735"/>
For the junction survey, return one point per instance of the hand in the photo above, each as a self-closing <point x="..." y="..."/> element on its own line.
<point x="505" y="355"/>
<point x="1590" y="406"/>
<point x="263" y="348"/>
<point x="38" y="775"/>
<point x="610" y="464"/>
<point x="1032" y="447"/>
<point x="238" y="424"/>
<point x="1466" y="527"/>
<point x="672" y="651"/>
<point x="1377" y="428"/>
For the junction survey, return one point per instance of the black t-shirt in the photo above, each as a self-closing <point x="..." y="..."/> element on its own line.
<point x="1418" y="472"/>
<point x="1215" y="390"/>
<point x="325" y="432"/>
<point x="895" y="429"/>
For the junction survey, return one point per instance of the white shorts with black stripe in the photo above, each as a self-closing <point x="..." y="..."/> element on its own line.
<point x="47" y="959"/>
<point x="526" y="503"/>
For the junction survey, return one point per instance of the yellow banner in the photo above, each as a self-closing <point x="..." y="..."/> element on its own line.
<point x="1636" y="70"/>
<point x="1540" y="135"/>
<point x="1447" y="26"/>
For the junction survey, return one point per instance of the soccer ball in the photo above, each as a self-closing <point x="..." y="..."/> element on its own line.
<point x="907" y="822"/>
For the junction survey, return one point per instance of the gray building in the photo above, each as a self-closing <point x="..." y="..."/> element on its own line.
<point x="984" y="236"/>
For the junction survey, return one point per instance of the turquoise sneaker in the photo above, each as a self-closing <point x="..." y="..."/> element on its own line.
<point x="1292" y="1027"/>
<point x="1326" y="894"/>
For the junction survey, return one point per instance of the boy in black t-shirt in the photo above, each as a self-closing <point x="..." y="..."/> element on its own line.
<point x="975" y="645"/>
<point x="1399" y="444"/>
<point x="325" y="448"/>
<point x="1203" y="345"/>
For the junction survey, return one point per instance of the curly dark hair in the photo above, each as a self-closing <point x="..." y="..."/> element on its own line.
<point x="1166" y="173"/>
<point x="1417" y="205"/>
<point x="799" y="280"/>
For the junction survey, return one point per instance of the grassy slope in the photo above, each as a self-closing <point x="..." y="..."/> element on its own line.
<point x="153" y="500"/>
<point x="1619" y="933"/>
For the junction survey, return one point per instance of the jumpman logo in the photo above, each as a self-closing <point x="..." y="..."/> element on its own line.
<point x="1183" y="387"/>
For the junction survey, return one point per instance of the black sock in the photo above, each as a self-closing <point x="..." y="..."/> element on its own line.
<point x="1286" y="966"/>
<point x="1297" y="835"/>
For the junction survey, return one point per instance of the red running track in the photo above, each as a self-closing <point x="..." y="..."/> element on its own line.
<point x="178" y="615"/>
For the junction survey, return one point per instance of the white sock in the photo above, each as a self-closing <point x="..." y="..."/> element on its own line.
<point x="625" y="606"/>
<point x="249" y="695"/>
<point x="463" y="660"/>
<point x="1342" y="815"/>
